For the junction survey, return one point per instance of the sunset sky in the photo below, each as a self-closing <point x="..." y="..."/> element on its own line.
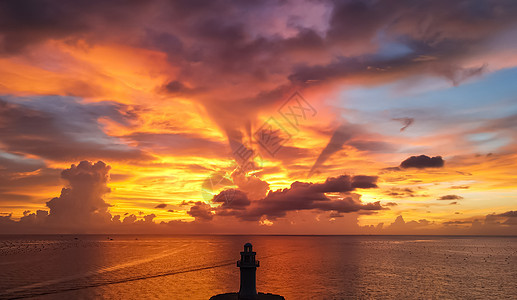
<point x="302" y="117"/>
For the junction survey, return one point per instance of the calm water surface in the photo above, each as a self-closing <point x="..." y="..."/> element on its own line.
<point x="297" y="267"/>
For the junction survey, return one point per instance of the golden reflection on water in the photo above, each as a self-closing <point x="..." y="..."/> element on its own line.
<point x="297" y="267"/>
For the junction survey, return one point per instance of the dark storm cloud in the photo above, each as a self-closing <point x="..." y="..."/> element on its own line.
<point x="223" y="37"/>
<point x="60" y="128"/>
<point x="28" y="22"/>
<point x="450" y="197"/>
<point x="437" y="34"/>
<point x="201" y="211"/>
<point x="341" y="184"/>
<point x="161" y="205"/>
<point x="354" y="27"/>
<point x="364" y="182"/>
<point x="221" y="45"/>
<point x="417" y="162"/>
<point x="232" y="198"/>
<point x="422" y="162"/>
<point x="303" y="196"/>
<point x="373" y="70"/>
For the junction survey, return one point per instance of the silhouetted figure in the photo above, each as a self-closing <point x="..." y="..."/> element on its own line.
<point x="248" y="266"/>
<point x="248" y="290"/>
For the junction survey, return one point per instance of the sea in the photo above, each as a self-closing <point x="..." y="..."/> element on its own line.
<point x="296" y="267"/>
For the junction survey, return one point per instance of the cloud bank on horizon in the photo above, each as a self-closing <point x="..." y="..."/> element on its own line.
<point x="405" y="108"/>
<point x="81" y="209"/>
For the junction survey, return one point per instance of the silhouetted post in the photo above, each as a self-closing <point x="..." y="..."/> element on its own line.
<point x="248" y="266"/>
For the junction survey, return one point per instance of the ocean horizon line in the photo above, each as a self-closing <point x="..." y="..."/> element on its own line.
<point x="252" y="234"/>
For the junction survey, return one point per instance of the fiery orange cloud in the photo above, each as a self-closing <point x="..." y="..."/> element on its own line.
<point x="175" y="98"/>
